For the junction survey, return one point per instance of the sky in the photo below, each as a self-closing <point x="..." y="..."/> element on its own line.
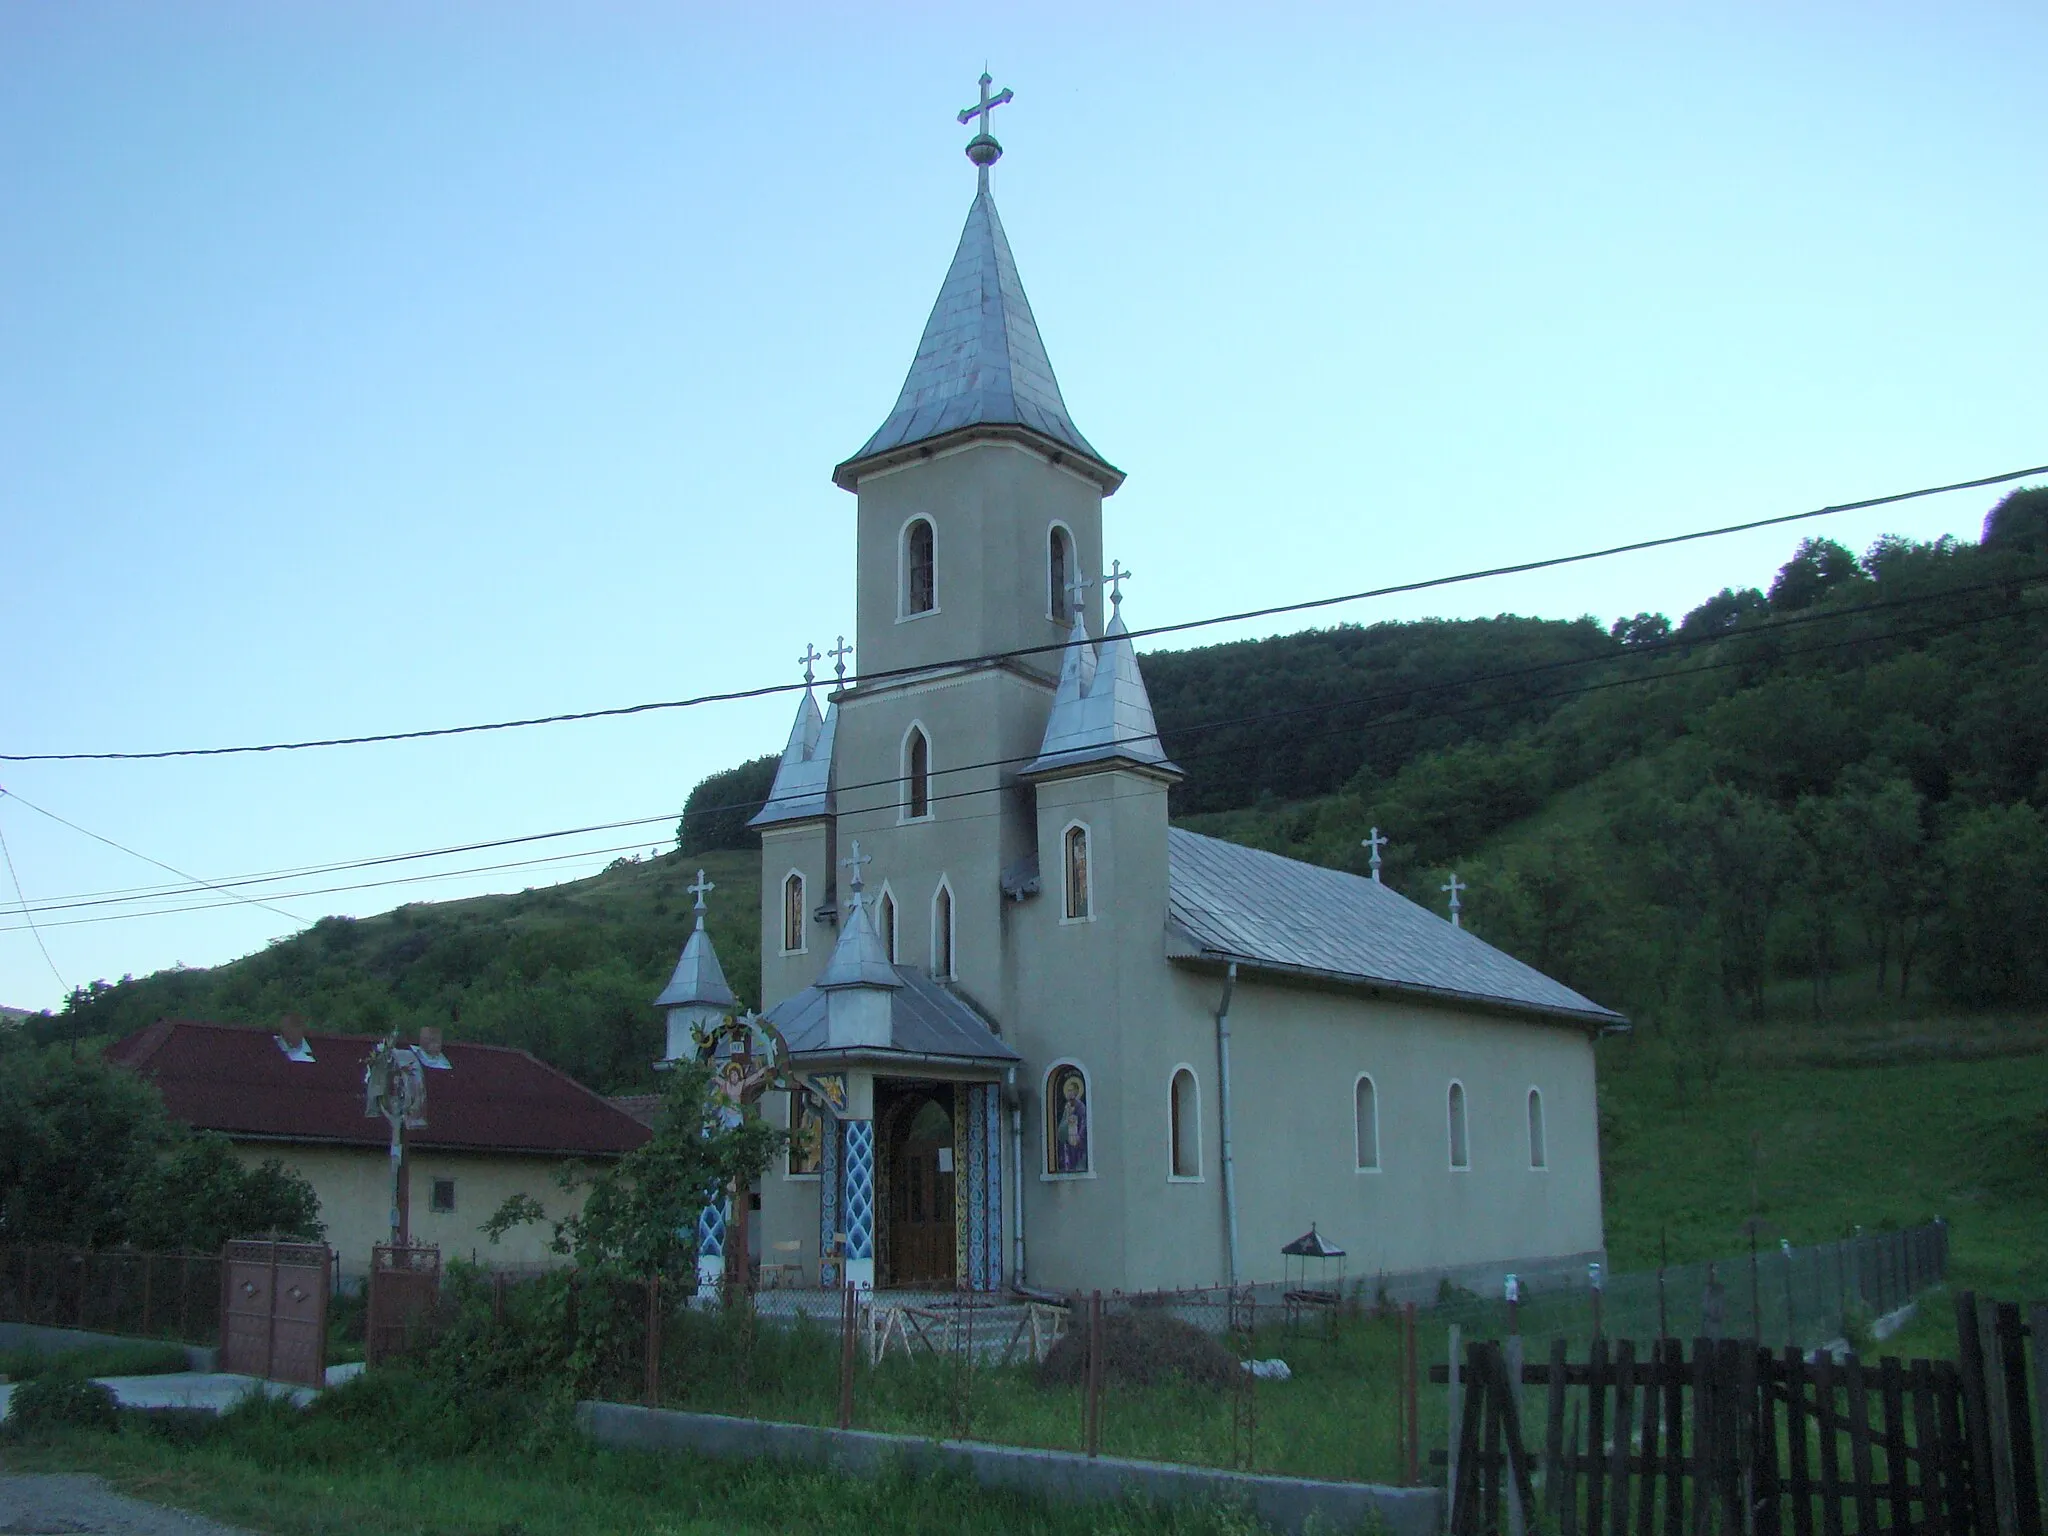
<point x="375" y="366"/>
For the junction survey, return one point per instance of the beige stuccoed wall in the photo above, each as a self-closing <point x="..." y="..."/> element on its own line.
<point x="354" y="1185"/>
<point x="805" y="848"/>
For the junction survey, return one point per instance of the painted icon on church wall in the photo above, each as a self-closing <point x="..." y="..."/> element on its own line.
<point x="1066" y="1121"/>
<point x="806" y="1134"/>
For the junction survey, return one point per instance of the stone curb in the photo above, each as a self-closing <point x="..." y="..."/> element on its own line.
<point x="1286" y="1503"/>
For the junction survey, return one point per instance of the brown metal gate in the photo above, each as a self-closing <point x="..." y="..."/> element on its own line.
<point x="273" y="1310"/>
<point x="405" y="1286"/>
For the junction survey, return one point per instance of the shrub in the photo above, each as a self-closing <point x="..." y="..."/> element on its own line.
<point x="62" y="1402"/>
<point x="1142" y="1349"/>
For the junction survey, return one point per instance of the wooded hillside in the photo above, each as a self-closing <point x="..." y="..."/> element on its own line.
<point x="1823" y="793"/>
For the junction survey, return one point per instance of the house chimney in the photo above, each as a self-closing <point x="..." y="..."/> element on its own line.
<point x="291" y="1029"/>
<point x="430" y="1039"/>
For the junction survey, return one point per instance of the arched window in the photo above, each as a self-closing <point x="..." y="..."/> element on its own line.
<point x="917" y="775"/>
<point x="1365" y="1104"/>
<point x="1074" y="847"/>
<point x="1068" y="1143"/>
<point x="920" y="568"/>
<point x="888" y="908"/>
<point x="793" y="913"/>
<point x="1461" y="1151"/>
<point x="1184" y="1124"/>
<point x="1059" y="570"/>
<point x="942" y="931"/>
<point x="1539" y="1156"/>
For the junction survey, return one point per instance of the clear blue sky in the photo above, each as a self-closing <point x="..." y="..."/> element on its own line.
<point x="376" y="366"/>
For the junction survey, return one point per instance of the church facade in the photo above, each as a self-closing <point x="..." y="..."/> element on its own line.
<point x="1042" y="1037"/>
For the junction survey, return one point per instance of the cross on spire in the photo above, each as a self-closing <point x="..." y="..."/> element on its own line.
<point x="809" y="656"/>
<point x="1375" y="843"/>
<point x="839" y="653"/>
<point x="982" y="149"/>
<point x="1114" y="581"/>
<point x="1457" y="906"/>
<point x="1077" y="592"/>
<point x="858" y="862"/>
<point x="700" y="888"/>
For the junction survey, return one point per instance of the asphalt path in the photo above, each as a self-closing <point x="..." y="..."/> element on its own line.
<point x="63" y="1503"/>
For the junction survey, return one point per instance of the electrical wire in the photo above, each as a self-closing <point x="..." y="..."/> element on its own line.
<point x="891" y="805"/>
<point x="991" y="657"/>
<point x="22" y="899"/>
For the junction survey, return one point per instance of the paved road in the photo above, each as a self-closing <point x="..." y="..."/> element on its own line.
<point x="60" y="1504"/>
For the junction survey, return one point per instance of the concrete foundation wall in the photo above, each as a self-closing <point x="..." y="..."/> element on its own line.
<point x="1286" y="1503"/>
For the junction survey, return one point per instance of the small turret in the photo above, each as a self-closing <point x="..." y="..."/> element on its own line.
<point x="697" y="995"/>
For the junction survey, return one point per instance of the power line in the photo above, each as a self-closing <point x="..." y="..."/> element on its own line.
<point x="885" y="806"/>
<point x="1396" y="697"/>
<point x="987" y="658"/>
<point x="22" y="899"/>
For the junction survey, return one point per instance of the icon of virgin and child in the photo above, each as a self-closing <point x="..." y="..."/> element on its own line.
<point x="1066" y="1104"/>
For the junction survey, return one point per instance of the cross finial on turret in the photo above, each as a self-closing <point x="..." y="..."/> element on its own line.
<point x="1375" y="843"/>
<point x="809" y="656"/>
<point x="855" y="865"/>
<point x="1114" y="581"/>
<point x="982" y="149"/>
<point x="839" y="653"/>
<point x="1077" y="592"/>
<point x="1457" y="906"/>
<point x="700" y="888"/>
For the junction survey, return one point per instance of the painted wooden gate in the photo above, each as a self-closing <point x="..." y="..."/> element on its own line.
<point x="405" y="1287"/>
<point x="273" y="1310"/>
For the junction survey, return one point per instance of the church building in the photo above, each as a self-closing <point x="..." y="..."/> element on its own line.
<point x="1042" y="1037"/>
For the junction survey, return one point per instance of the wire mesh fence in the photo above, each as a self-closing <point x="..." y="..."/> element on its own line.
<point x="148" y="1295"/>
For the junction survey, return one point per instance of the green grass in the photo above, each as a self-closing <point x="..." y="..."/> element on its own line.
<point x="393" y="1456"/>
<point x="136" y="1359"/>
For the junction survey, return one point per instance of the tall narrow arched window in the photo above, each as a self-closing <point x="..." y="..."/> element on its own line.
<point x="1069" y="1149"/>
<point x="1059" y="570"/>
<point x="1074" y="850"/>
<point x="1539" y="1155"/>
<point x="942" y="931"/>
<point x="1365" y="1105"/>
<point x="1184" y="1125"/>
<point x="889" y="926"/>
<point x="792" y="913"/>
<point x="917" y="775"/>
<point x="920" y="568"/>
<point x="1461" y="1149"/>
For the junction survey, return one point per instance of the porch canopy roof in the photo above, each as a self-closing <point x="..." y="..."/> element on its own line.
<point x="928" y="1022"/>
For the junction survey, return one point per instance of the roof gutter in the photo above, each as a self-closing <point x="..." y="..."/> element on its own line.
<point x="1603" y="1021"/>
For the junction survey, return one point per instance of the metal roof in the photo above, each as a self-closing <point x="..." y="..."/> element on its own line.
<point x="699" y="979"/>
<point x="981" y="361"/>
<point x="803" y="779"/>
<point x="221" y="1077"/>
<point x="1100" y="711"/>
<point x="1227" y="902"/>
<point x="926" y="1020"/>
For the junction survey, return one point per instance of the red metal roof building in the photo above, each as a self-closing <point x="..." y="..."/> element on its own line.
<point x="499" y="1121"/>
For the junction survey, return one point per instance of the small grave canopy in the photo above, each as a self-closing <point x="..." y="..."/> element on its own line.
<point x="1313" y="1245"/>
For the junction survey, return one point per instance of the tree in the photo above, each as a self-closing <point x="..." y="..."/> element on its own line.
<point x="1819" y="566"/>
<point x="719" y="808"/>
<point x="1721" y="613"/>
<point x="1993" y="943"/>
<point x="1643" y="629"/>
<point x="88" y="1158"/>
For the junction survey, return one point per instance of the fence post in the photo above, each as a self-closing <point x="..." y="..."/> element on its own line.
<point x="651" y="1363"/>
<point x="84" y="1278"/>
<point x="1453" y="1418"/>
<point x="2022" y="1475"/>
<point x="1092" y="1406"/>
<point x="1412" y="1397"/>
<point x="848" y="1309"/>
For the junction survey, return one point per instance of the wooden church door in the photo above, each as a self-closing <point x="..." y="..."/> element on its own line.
<point x="921" y="1198"/>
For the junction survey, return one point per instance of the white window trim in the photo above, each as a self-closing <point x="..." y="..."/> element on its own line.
<point x="944" y="887"/>
<point x="803" y="926"/>
<point x="892" y="943"/>
<point x="1172" y="1077"/>
<point x="1087" y="832"/>
<point x="1073" y="556"/>
<point x="1538" y="1125"/>
<point x="1377" y="1164"/>
<point x="1045" y="1174"/>
<point x="903" y="613"/>
<point x="903" y="816"/>
<point x="1456" y="1093"/>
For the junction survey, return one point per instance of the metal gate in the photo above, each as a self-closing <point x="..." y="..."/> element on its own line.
<point x="273" y="1310"/>
<point x="405" y="1286"/>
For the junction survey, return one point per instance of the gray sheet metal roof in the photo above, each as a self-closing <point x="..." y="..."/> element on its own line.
<point x="980" y="361"/>
<point x="925" y="1020"/>
<point x="803" y="779"/>
<point x="699" y="979"/>
<point x="1226" y="902"/>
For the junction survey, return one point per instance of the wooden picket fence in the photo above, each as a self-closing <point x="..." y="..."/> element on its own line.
<point x="1740" y="1441"/>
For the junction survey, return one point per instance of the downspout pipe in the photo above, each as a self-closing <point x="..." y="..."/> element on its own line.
<point x="1223" y="1102"/>
<point x="1016" y="1181"/>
